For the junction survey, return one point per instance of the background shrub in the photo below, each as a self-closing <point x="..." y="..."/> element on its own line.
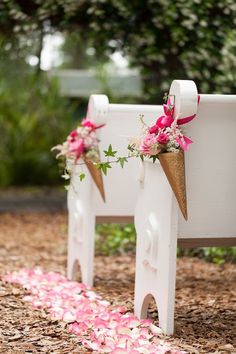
<point x="116" y="239"/>
<point x="33" y="118"/>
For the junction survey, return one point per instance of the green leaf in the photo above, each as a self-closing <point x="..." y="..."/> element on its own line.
<point x="110" y="152"/>
<point x="165" y="97"/>
<point x="104" y="167"/>
<point x="130" y="148"/>
<point x="154" y="159"/>
<point x="122" y="160"/>
<point x="67" y="187"/>
<point x="81" y="177"/>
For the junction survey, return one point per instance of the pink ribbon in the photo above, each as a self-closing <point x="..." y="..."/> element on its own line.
<point x="184" y="142"/>
<point x="188" y="119"/>
<point x="88" y="123"/>
<point x="166" y="121"/>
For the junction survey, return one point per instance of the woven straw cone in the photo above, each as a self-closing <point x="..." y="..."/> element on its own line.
<point x="96" y="176"/>
<point x="174" y="168"/>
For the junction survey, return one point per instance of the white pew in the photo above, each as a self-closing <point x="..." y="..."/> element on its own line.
<point x="211" y="191"/>
<point x="121" y="185"/>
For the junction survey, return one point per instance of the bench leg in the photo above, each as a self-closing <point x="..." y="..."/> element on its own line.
<point x="81" y="232"/>
<point x="156" y="227"/>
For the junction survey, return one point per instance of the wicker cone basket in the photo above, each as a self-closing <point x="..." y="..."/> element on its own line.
<point x="96" y="176"/>
<point x="174" y="167"/>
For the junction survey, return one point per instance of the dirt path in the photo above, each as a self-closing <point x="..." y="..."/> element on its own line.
<point x="205" y="293"/>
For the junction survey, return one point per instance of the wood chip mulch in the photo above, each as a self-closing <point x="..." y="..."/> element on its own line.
<point x="205" y="316"/>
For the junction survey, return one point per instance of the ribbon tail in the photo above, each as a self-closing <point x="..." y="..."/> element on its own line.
<point x="184" y="142"/>
<point x="185" y="120"/>
<point x="99" y="126"/>
<point x="188" y="119"/>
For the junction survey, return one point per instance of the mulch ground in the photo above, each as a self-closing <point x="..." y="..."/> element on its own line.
<point x="205" y="316"/>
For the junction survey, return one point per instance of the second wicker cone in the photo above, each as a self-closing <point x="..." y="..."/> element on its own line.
<point x="173" y="165"/>
<point x="96" y="175"/>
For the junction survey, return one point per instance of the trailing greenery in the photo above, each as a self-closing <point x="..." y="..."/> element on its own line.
<point x="116" y="239"/>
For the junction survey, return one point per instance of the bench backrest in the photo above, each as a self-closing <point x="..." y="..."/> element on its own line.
<point x="210" y="161"/>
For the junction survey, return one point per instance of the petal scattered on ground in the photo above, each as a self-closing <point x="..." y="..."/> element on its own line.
<point x="99" y="327"/>
<point x="205" y="314"/>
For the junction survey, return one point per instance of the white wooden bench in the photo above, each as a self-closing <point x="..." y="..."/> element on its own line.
<point x="142" y="190"/>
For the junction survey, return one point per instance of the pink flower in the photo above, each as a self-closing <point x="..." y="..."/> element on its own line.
<point x="163" y="138"/>
<point x="154" y="129"/>
<point x="148" y="145"/>
<point x="72" y="136"/>
<point x="87" y="123"/>
<point x="77" y="147"/>
<point x="164" y="121"/>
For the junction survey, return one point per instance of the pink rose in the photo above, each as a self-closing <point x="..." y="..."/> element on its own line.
<point x="74" y="133"/>
<point x="77" y="147"/>
<point x="154" y="129"/>
<point x="163" y="138"/>
<point x="148" y="145"/>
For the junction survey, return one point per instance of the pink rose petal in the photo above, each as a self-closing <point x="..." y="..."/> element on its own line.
<point x="99" y="328"/>
<point x="119" y="351"/>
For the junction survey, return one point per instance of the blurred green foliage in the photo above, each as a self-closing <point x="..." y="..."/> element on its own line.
<point x="115" y="239"/>
<point x="33" y="118"/>
<point x="165" y="39"/>
<point x="218" y="255"/>
<point x="119" y="239"/>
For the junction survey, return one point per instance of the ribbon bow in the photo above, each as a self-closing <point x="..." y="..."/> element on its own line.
<point x="167" y="120"/>
<point x="89" y="124"/>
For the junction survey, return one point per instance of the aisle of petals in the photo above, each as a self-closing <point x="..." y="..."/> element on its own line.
<point x="100" y="327"/>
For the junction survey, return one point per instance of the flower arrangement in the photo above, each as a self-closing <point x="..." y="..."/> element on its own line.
<point x="165" y="135"/>
<point x="165" y="141"/>
<point x="82" y="143"/>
